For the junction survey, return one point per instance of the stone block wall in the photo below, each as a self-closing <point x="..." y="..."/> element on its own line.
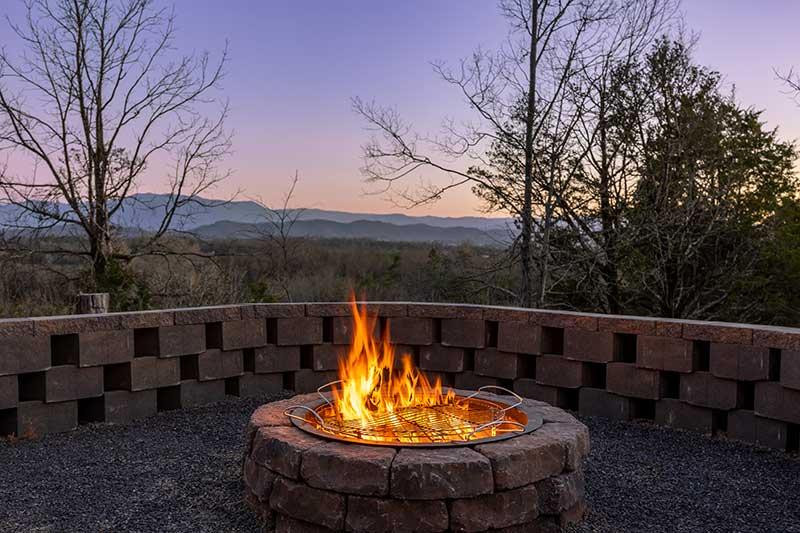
<point x="715" y="378"/>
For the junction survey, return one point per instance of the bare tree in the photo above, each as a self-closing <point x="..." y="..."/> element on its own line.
<point x="276" y="231"/>
<point x="96" y="99"/>
<point x="518" y="153"/>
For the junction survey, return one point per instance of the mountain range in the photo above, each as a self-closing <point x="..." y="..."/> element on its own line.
<point x="242" y="219"/>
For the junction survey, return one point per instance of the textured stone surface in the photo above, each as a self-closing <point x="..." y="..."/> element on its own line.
<point x="244" y="334"/>
<point x="733" y="361"/>
<point x="573" y="436"/>
<point x="463" y="333"/>
<point x="181" y="340"/>
<point x="561" y="492"/>
<point x="326" y="356"/>
<point x="440" y="358"/>
<point x="217" y="364"/>
<point x="524" y="460"/>
<point x="299" y="331"/>
<point x="196" y="393"/>
<point x="436" y="473"/>
<point x="204" y="315"/>
<point x="258" y="479"/>
<point x="503" y="509"/>
<point x="682" y="415"/>
<point x="105" y="347"/>
<point x="627" y="380"/>
<point x="9" y="393"/>
<point x="36" y="418"/>
<point x="598" y="402"/>
<point x="302" y="502"/>
<point x="518" y="337"/>
<point x="121" y="407"/>
<point x="280" y="448"/>
<point x="706" y="390"/>
<point x="594" y="346"/>
<point x="409" y="330"/>
<point x="664" y="353"/>
<point x="790" y="369"/>
<point x="273" y="358"/>
<point x="368" y="515"/>
<point x="22" y="354"/>
<point x="503" y="365"/>
<point x="63" y="383"/>
<point x="259" y="384"/>
<point x="559" y="372"/>
<point x="348" y="468"/>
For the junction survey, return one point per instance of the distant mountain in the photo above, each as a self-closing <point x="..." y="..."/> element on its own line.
<point x="361" y="229"/>
<point x="145" y="212"/>
<point x="240" y="219"/>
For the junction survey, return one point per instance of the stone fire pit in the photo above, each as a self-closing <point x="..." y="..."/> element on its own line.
<point x="297" y="481"/>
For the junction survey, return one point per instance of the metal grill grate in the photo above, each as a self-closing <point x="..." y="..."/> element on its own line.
<point x="469" y="418"/>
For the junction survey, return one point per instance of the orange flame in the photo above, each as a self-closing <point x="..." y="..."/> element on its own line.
<point x="371" y="386"/>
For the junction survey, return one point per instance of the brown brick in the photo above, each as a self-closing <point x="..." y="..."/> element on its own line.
<point x="9" y="393"/>
<point x="326" y="356"/>
<point x="64" y="383"/>
<point x="664" y="353"/>
<point x="525" y="459"/>
<point x="438" y="358"/>
<point x="434" y="474"/>
<point x="790" y="369"/>
<point x="598" y="402"/>
<point x="302" y="502"/>
<point x="39" y="418"/>
<point x="368" y="515"/>
<point x="407" y="330"/>
<point x="307" y="380"/>
<point x="244" y="334"/>
<point x="677" y="414"/>
<point x="775" y="401"/>
<point x="219" y="364"/>
<point x="21" y="355"/>
<point x="148" y="373"/>
<point x="502" y="509"/>
<point x="705" y="390"/>
<point x="62" y="325"/>
<point x="174" y="341"/>
<point x="564" y="319"/>
<point x="204" y="315"/>
<point x="467" y="312"/>
<point x="497" y="364"/>
<point x="742" y="362"/>
<point x="121" y="407"/>
<point x="777" y="337"/>
<point x="507" y="314"/>
<point x="348" y="468"/>
<point x="468" y="380"/>
<point x="669" y="328"/>
<point x="273" y="358"/>
<point x="463" y="333"/>
<point x="278" y="310"/>
<point x="742" y="425"/>
<point x="105" y="347"/>
<point x="280" y="448"/>
<point x="16" y="327"/>
<point x="299" y="331"/>
<point x="627" y="380"/>
<point x="561" y="492"/>
<point x="528" y="388"/>
<point x="556" y="371"/>
<point x="573" y="435"/>
<point x="260" y="384"/>
<point x="196" y="393"/>
<point x="327" y="309"/>
<point x="718" y="332"/>
<point x="343" y="330"/>
<point x="146" y="319"/>
<point x="519" y="337"/>
<point x="627" y="324"/>
<point x="771" y="433"/>
<point x="258" y="479"/>
<point x="594" y="346"/>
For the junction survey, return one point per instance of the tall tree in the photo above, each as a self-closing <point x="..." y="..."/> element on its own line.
<point x="96" y="99"/>
<point x="526" y="113"/>
<point x="711" y="178"/>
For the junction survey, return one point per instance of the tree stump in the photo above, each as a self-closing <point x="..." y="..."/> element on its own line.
<point x="93" y="303"/>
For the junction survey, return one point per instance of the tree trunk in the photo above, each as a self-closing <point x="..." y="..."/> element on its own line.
<point x="93" y="303"/>
<point x="527" y="207"/>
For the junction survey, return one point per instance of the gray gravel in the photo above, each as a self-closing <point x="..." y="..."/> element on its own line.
<point x="179" y="471"/>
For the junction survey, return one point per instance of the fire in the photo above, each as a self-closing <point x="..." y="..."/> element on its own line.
<point x="372" y="386"/>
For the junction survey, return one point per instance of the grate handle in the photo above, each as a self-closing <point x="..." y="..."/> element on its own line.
<point x="491" y="424"/>
<point x="497" y="387"/>
<point x="321" y="388"/>
<point x="289" y="412"/>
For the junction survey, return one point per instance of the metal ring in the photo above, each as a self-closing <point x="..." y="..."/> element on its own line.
<point x="493" y="423"/>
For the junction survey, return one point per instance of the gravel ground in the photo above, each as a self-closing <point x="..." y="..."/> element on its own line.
<point x="179" y="471"/>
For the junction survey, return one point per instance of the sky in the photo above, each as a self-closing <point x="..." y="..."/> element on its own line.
<point x="295" y="65"/>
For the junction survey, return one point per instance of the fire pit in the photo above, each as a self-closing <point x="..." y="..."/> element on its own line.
<point x="384" y="449"/>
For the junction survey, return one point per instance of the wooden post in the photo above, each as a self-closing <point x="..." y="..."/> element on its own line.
<point x="93" y="303"/>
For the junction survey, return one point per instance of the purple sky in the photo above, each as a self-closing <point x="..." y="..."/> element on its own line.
<point x="295" y="64"/>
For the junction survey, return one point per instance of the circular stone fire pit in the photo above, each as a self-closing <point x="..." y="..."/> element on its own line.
<point x="529" y="481"/>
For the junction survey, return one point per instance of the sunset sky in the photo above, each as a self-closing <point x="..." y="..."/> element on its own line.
<point x="295" y="65"/>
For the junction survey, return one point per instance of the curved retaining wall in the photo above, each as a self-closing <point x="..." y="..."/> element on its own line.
<point x="740" y="380"/>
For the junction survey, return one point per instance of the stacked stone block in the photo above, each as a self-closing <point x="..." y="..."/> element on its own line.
<point x="741" y="380"/>
<point x="297" y="481"/>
